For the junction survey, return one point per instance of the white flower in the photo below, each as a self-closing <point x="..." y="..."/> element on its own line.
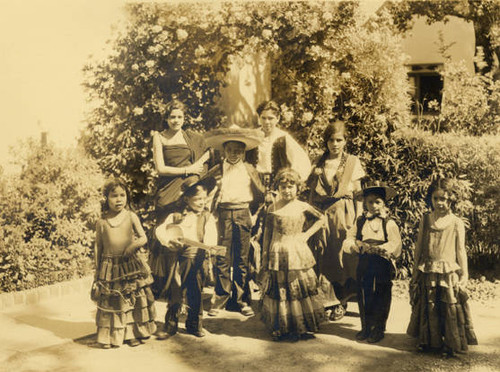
<point x="138" y="111"/>
<point x="156" y="28"/>
<point x="150" y="64"/>
<point x="199" y="51"/>
<point x="345" y="75"/>
<point x="308" y="116"/>
<point x="266" y="34"/>
<point x="181" y="34"/>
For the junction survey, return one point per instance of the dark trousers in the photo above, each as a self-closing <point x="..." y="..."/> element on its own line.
<point x="374" y="275"/>
<point x="234" y="233"/>
<point x="191" y="287"/>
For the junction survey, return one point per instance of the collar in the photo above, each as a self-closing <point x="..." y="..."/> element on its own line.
<point x="370" y="216"/>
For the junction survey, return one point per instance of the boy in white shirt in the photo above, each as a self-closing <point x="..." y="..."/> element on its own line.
<point x="377" y="240"/>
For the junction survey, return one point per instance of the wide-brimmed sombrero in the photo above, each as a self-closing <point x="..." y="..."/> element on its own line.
<point x="377" y="187"/>
<point x="250" y="137"/>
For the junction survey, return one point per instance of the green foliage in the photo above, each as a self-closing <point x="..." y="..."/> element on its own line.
<point x="471" y="102"/>
<point x="414" y="158"/>
<point x="325" y="63"/>
<point x="484" y="14"/>
<point x="47" y="217"/>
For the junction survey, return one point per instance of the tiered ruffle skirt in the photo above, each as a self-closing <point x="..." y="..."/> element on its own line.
<point x="441" y="316"/>
<point x="125" y="303"/>
<point x="291" y="303"/>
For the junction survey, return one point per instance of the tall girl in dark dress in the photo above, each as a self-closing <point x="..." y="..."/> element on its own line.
<point x="177" y="154"/>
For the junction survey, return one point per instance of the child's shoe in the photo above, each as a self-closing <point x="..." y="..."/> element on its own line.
<point x="213" y="312"/>
<point x="133" y="342"/>
<point x="105" y="346"/>
<point x="375" y="336"/>
<point x="362" y="335"/>
<point x="307" y="336"/>
<point x="196" y="332"/>
<point x="247" y="311"/>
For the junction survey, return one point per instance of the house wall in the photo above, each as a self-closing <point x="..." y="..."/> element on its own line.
<point x="249" y="83"/>
<point x="422" y="41"/>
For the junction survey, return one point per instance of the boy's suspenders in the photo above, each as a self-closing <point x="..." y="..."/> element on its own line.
<point x="360" y="222"/>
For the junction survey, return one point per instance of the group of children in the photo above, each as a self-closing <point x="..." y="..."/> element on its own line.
<point x="215" y="218"/>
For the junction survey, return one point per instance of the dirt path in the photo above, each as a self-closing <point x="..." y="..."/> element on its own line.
<point x="236" y="343"/>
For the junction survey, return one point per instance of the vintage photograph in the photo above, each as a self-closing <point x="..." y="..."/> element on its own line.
<point x="250" y="185"/>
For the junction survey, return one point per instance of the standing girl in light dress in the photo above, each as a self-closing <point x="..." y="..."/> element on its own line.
<point x="125" y="303"/>
<point x="291" y="306"/>
<point x="441" y="318"/>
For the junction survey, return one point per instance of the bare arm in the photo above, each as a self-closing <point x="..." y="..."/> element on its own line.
<point x="140" y="236"/>
<point x="320" y="223"/>
<point x="98" y="247"/>
<point x="358" y="205"/>
<point x="165" y="170"/>
<point x="418" y="247"/>
<point x="462" y="253"/>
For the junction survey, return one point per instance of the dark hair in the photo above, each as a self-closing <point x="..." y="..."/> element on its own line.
<point x="443" y="184"/>
<point x="109" y="186"/>
<point x="269" y="105"/>
<point x="287" y="175"/>
<point x="174" y="104"/>
<point x="337" y="126"/>
<point x="193" y="191"/>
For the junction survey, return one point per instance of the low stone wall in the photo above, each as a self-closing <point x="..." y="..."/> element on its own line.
<point x="33" y="296"/>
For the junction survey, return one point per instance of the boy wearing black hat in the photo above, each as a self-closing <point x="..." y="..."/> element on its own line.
<point x="192" y="222"/>
<point x="375" y="236"/>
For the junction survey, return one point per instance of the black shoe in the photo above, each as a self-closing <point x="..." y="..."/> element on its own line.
<point x="133" y="342"/>
<point x="375" y="336"/>
<point x="196" y="332"/>
<point x="307" y="336"/>
<point x="161" y="335"/>
<point x="362" y="335"/>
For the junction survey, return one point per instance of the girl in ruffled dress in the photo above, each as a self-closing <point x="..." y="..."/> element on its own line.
<point x="291" y="305"/>
<point x="441" y="318"/>
<point x="125" y="303"/>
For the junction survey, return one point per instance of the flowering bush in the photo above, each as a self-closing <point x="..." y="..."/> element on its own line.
<point x="471" y="101"/>
<point x="325" y="62"/>
<point x="47" y="217"/>
<point x="414" y="158"/>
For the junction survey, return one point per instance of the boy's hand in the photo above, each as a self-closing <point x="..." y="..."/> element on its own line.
<point x="175" y="245"/>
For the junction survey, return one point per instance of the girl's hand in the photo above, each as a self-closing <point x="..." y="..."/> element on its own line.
<point x="463" y="281"/>
<point x="129" y="251"/>
<point x="195" y="168"/>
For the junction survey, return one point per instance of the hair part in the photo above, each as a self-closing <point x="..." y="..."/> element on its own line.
<point x="287" y="175"/>
<point x="269" y="105"/>
<point x="444" y="184"/>
<point x="175" y="104"/>
<point x="109" y="186"/>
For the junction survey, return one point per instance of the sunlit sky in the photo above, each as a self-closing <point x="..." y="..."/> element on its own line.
<point x="43" y="46"/>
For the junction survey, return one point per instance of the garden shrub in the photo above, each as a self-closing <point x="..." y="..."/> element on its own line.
<point x="326" y="62"/>
<point x="47" y="217"/>
<point x="413" y="158"/>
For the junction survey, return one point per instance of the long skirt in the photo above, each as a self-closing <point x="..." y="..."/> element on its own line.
<point x="441" y="316"/>
<point x="290" y="303"/>
<point x="125" y="302"/>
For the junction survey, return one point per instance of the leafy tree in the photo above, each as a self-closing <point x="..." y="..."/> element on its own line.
<point x="325" y="62"/>
<point x="484" y="14"/>
<point x="47" y="216"/>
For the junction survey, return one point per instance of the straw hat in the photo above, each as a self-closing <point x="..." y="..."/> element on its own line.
<point x="379" y="188"/>
<point x="250" y="137"/>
